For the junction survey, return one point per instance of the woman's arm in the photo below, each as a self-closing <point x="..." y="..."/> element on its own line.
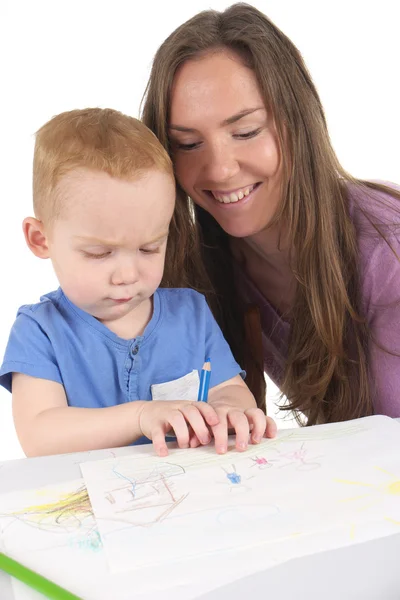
<point x="381" y="294"/>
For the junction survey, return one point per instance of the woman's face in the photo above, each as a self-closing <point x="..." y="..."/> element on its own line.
<point x="224" y="143"/>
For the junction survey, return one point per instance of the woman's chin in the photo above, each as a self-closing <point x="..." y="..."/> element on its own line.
<point x="240" y="229"/>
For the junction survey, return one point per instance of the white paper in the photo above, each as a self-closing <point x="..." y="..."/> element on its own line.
<point x="52" y="531"/>
<point x="340" y="480"/>
<point x="67" y="549"/>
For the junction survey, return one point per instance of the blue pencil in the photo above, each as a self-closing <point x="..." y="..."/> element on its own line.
<point x="204" y="381"/>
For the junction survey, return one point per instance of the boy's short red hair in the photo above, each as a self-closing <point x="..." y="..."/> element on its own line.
<point x="94" y="138"/>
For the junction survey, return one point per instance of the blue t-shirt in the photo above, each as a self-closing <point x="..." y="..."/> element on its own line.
<point x="56" y="340"/>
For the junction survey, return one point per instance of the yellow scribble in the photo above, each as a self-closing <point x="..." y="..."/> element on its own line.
<point x="392" y="521"/>
<point x="67" y="512"/>
<point x="376" y="490"/>
<point x="394" y="488"/>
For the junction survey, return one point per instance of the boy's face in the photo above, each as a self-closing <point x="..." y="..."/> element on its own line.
<point x="108" y="246"/>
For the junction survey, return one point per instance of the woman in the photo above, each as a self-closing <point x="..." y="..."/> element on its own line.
<point x="282" y="226"/>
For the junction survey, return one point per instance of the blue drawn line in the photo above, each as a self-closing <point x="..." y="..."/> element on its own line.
<point x="131" y="481"/>
<point x="233" y="476"/>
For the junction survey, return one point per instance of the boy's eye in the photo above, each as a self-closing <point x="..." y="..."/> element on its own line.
<point x="93" y="255"/>
<point x="149" y="250"/>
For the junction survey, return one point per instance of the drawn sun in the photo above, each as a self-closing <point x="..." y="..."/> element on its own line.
<point x="377" y="492"/>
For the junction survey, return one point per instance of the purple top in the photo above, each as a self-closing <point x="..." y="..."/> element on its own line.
<point x="380" y="297"/>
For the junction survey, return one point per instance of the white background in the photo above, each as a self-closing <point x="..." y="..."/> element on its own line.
<point x="56" y="56"/>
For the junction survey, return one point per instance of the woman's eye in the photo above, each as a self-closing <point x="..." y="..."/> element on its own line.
<point x="186" y="147"/>
<point x="248" y="134"/>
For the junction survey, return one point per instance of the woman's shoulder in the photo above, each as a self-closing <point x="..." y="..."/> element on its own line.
<point x="375" y="213"/>
<point x="374" y="208"/>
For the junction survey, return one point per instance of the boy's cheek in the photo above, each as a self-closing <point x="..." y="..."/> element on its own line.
<point x="81" y="285"/>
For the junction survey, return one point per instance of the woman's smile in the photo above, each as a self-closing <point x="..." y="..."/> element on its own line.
<point x="238" y="196"/>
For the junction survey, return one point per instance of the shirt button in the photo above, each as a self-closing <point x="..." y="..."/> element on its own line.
<point x="135" y="350"/>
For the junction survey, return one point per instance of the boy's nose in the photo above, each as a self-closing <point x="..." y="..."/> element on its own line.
<point x="126" y="273"/>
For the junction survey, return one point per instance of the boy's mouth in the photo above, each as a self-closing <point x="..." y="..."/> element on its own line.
<point x="121" y="300"/>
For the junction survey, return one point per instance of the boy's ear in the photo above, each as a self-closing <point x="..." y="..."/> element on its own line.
<point x="35" y="237"/>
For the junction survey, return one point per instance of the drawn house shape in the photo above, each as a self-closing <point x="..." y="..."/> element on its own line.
<point x="147" y="498"/>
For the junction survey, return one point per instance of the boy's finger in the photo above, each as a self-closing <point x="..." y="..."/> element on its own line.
<point x="220" y="433"/>
<point x="158" y="439"/>
<point x="194" y="441"/>
<point x="258" y="423"/>
<point x="196" y="422"/>
<point x="238" y="420"/>
<point x="178" y="423"/>
<point x="271" y="428"/>
<point x="209" y="414"/>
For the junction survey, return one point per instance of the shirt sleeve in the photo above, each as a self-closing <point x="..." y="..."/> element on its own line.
<point x="223" y="364"/>
<point x="381" y="294"/>
<point x="29" y="350"/>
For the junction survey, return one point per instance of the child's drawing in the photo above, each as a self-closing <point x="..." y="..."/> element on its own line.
<point x="237" y="484"/>
<point x="232" y="475"/>
<point x="67" y="513"/>
<point x="261" y="462"/>
<point x="150" y="498"/>
<point x="300" y="459"/>
<point x="157" y="512"/>
<point x="376" y="492"/>
<point x="143" y="503"/>
<point x="380" y="494"/>
<point x="60" y="518"/>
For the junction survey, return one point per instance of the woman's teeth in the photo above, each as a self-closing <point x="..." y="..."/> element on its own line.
<point x="233" y="196"/>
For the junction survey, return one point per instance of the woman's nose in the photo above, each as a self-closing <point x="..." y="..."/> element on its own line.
<point x="221" y="164"/>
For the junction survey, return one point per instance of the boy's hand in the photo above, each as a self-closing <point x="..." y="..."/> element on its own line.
<point x="185" y="418"/>
<point x="247" y="424"/>
<point x="237" y="412"/>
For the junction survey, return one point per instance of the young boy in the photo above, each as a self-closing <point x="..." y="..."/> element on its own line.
<point x="86" y="360"/>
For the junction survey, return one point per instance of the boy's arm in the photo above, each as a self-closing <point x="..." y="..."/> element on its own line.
<point x="45" y="424"/>
<point x="237" y="409"/>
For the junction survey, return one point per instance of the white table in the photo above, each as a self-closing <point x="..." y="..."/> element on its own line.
<point x="368" y="571"/>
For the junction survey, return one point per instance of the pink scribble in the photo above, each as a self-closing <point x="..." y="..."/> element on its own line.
<point x="261" y="462"/>
<point x="299" y="458"/>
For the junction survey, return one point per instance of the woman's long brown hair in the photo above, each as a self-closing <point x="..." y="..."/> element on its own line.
<point x="326" y="374"/>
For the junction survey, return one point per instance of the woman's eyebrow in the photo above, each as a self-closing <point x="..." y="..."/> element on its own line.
<point x="240" y="115"/>
<point x="233" y="119"/>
